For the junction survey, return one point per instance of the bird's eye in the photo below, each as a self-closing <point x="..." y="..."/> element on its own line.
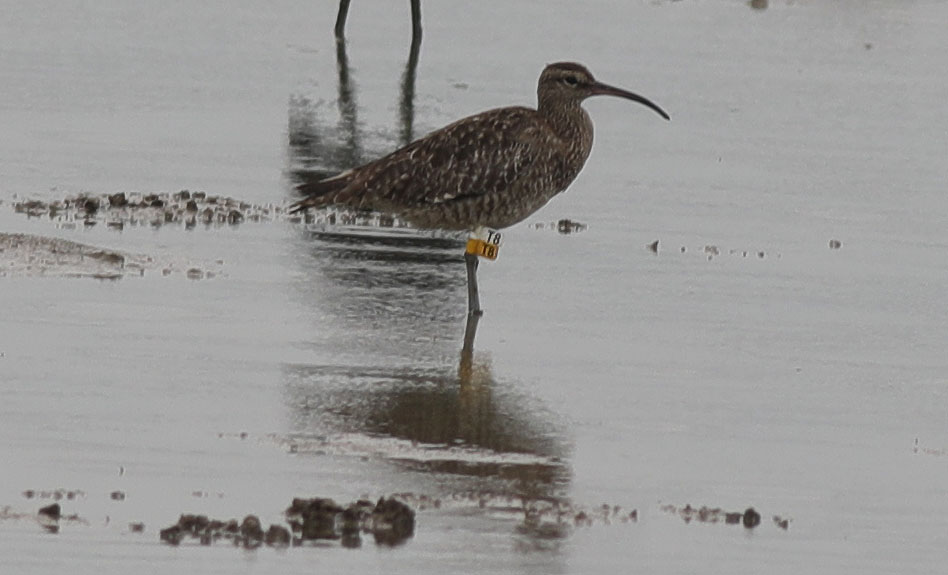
<point x="570" y="80"/>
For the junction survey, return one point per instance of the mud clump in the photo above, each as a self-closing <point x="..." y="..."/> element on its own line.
<point x="48" y="517"/>
<point x="118" y="200"/>
<point x="172" y="535"/>
<point x="249" y="533"/>
<point x="564" y="226"/>
<point x="750" y="518"/>
<point x="157" y="209"/>
<point x="277" y="536"/>
<point x="54" y="494"/>
<point x="252" y="531"/>
<point x="186" y="209"/>
<point x="314" y="518"/>
<point x="390" y="521"/>
<point x="52" y="512"/>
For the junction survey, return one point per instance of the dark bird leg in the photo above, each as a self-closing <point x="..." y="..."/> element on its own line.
<point x="474" y="314"/>
<point x="473" y="301"/>
<point x="350" y="154"/>
<point x="341" y="20"/>
<point x="407" y="103"/>
<point x="344" y="13"/>
<point x="415" y="22"/>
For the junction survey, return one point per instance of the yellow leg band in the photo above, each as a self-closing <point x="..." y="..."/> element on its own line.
<point x="482" y="249"/>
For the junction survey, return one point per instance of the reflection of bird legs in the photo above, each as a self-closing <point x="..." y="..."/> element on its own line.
<point x="341" y="20"/>
<point x="350" y="152"/>
<point x="407" y="103"/>
<point x="475" y="408"/>
<point x="415" y="21"/>
<point x="344" y="13"/>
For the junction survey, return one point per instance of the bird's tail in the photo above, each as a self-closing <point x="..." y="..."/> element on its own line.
<point x="320" y="193"/>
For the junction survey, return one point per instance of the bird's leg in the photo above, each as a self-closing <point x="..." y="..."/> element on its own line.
<point x="483" y="243"/>
<point x="407" y="104"/>
<point x="415" y="23"/>
<point x="474" y="314"/>
<point x="340" y="29"/>
<point x="473" y="300"/>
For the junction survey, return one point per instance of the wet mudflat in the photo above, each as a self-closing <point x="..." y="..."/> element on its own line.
<point x="781" y="347"/>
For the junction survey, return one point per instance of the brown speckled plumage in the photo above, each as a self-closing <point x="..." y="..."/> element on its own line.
<point x="491" y="170"/>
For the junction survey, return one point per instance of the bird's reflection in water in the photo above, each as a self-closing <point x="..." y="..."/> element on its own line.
<point x="318" y="150"/>
<point x="387" y="377"/>
<point x="388" y="305"/>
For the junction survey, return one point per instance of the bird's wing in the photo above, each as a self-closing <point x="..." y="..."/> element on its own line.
<point x="321" y="192"/>
<point x="478" y="155"/>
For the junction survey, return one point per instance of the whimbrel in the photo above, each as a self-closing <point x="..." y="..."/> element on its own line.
<point x="490" y="170"/>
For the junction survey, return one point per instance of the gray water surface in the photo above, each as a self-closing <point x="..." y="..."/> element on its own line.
<point x="747" y="363"/>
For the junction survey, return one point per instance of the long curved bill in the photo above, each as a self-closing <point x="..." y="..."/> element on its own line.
<point x="600" y="89"/>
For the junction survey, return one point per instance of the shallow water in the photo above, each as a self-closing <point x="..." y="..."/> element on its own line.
<point x="745" y="364"/>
